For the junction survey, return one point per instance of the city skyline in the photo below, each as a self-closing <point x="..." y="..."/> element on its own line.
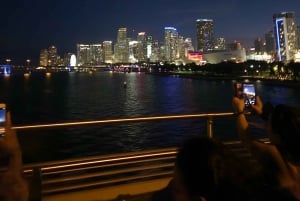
<point x="31" y="26"/>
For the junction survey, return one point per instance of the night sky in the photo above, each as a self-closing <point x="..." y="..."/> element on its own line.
<point x="27" y="26"/>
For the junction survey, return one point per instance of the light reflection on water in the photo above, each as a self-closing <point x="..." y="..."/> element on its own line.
<point x="101" y="95"/>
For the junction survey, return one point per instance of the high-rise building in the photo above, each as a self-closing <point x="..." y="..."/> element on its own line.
<point x="141" y="46"/>
<point x="188" y="47"/>
<point x="133" y="51"/>
<point x="83" y="54"/>
<point x="205" y="35"/>
<point x="89" y="55"/>
<point x="155" y="52"/>
<point x="285" y="35"/>
<point x="149" y="47"/>
<point x="96" y="54"/>
<point x="122" y="46"/>
<point x="52" y="56"/>
<point x="270" y="42"/>
<point x="170" y="46"/>
<point x="107" y="51"/>
<point x="44" y="57"/>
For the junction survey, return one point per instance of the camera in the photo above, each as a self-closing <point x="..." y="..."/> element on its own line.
<point x="2" y="119"/>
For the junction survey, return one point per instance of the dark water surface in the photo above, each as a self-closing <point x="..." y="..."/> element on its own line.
<point x="65" y="97"/>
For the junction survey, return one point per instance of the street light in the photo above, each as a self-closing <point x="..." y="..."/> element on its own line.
<point x="8" y="61"/>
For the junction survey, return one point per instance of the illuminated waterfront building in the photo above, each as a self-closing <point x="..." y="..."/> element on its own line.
<point x="96" y="54"/>
<point x="188" y="47"/>
<point x="205" y="35"/>
<point x="89" y="55"/>
<point x="171" y="44"/>
<point x="83" y="54"/>
<point x="180" y="55"/>
<point x="107" y="52"/>
<point x="149" y="47"/>
<point x="67" y="60"/>
<point x="285" y="35"/>
<point x="44" y="57"/>
<point x="155" y="52"/>
<point x="122" y="47"/>
<point x="133" y="51"/>
<point x="52" y="56"/>
<point x="141" y="47"/>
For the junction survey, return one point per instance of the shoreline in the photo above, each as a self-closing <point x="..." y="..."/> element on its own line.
<point x="269" y="81"/>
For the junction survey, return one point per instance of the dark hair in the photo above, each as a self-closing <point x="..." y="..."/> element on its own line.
<point x="209" y="169"/>
<point x="286" y="124"/>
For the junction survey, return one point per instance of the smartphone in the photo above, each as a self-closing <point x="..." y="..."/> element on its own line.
<point x="2" y="119"/>
<point x="249" y="94"/>
<point x="238" y="89"/>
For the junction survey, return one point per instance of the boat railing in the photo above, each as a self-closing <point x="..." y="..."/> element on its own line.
<point x="97" y="176"/>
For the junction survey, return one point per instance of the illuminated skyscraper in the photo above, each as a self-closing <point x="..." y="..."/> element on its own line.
<point x="89" y="55"/>
<point x="141" y="47"/>
<point x="171" y="46"/>
<point x="52" y="56"/>
<point x="149" y="47"/>
<point x="285" y="35"/>
<point x="107" y="51"/>
<point x="83" y="52"/>
<point x="122" y="46"/>
<point x="44" y="57"/>
<point x="205" y="35"/>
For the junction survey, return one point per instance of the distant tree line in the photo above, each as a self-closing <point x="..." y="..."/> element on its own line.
<point x="278" y="70"/>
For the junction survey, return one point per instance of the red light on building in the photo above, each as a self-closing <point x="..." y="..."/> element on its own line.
<point x="195" y="56"/>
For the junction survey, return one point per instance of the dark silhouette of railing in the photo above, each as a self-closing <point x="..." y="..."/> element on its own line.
<point x="58" y="177"/>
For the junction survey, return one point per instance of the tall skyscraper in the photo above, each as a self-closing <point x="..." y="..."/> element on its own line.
<point x="44" y="57"/>
<point x="149" y="48"/>
<point x="141" y="46"/>
<point x="285" y="35"/>
<point x="52" y="56"/>
<point x="89" y="55"/>
<point x="122" y="46"/>
<point x="83" y="54"/>
<point x="107" y="51"/>
<point x="270" y="42"/>
<point x="205" y="35"/>
<point x="171" y="46"/>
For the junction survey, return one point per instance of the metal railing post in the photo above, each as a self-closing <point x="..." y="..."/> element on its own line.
<point x="36" y="185"/>
<point x="210" y="126"/>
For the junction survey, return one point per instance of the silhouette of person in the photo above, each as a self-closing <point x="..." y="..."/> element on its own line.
<point x="206" y="170"/>
<point x="280" y="159"/>
<point x="13" y="187"/>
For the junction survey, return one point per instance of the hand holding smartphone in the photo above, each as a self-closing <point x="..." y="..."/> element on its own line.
<point x="249" y="94"/>
<point x="245" y="91"/>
